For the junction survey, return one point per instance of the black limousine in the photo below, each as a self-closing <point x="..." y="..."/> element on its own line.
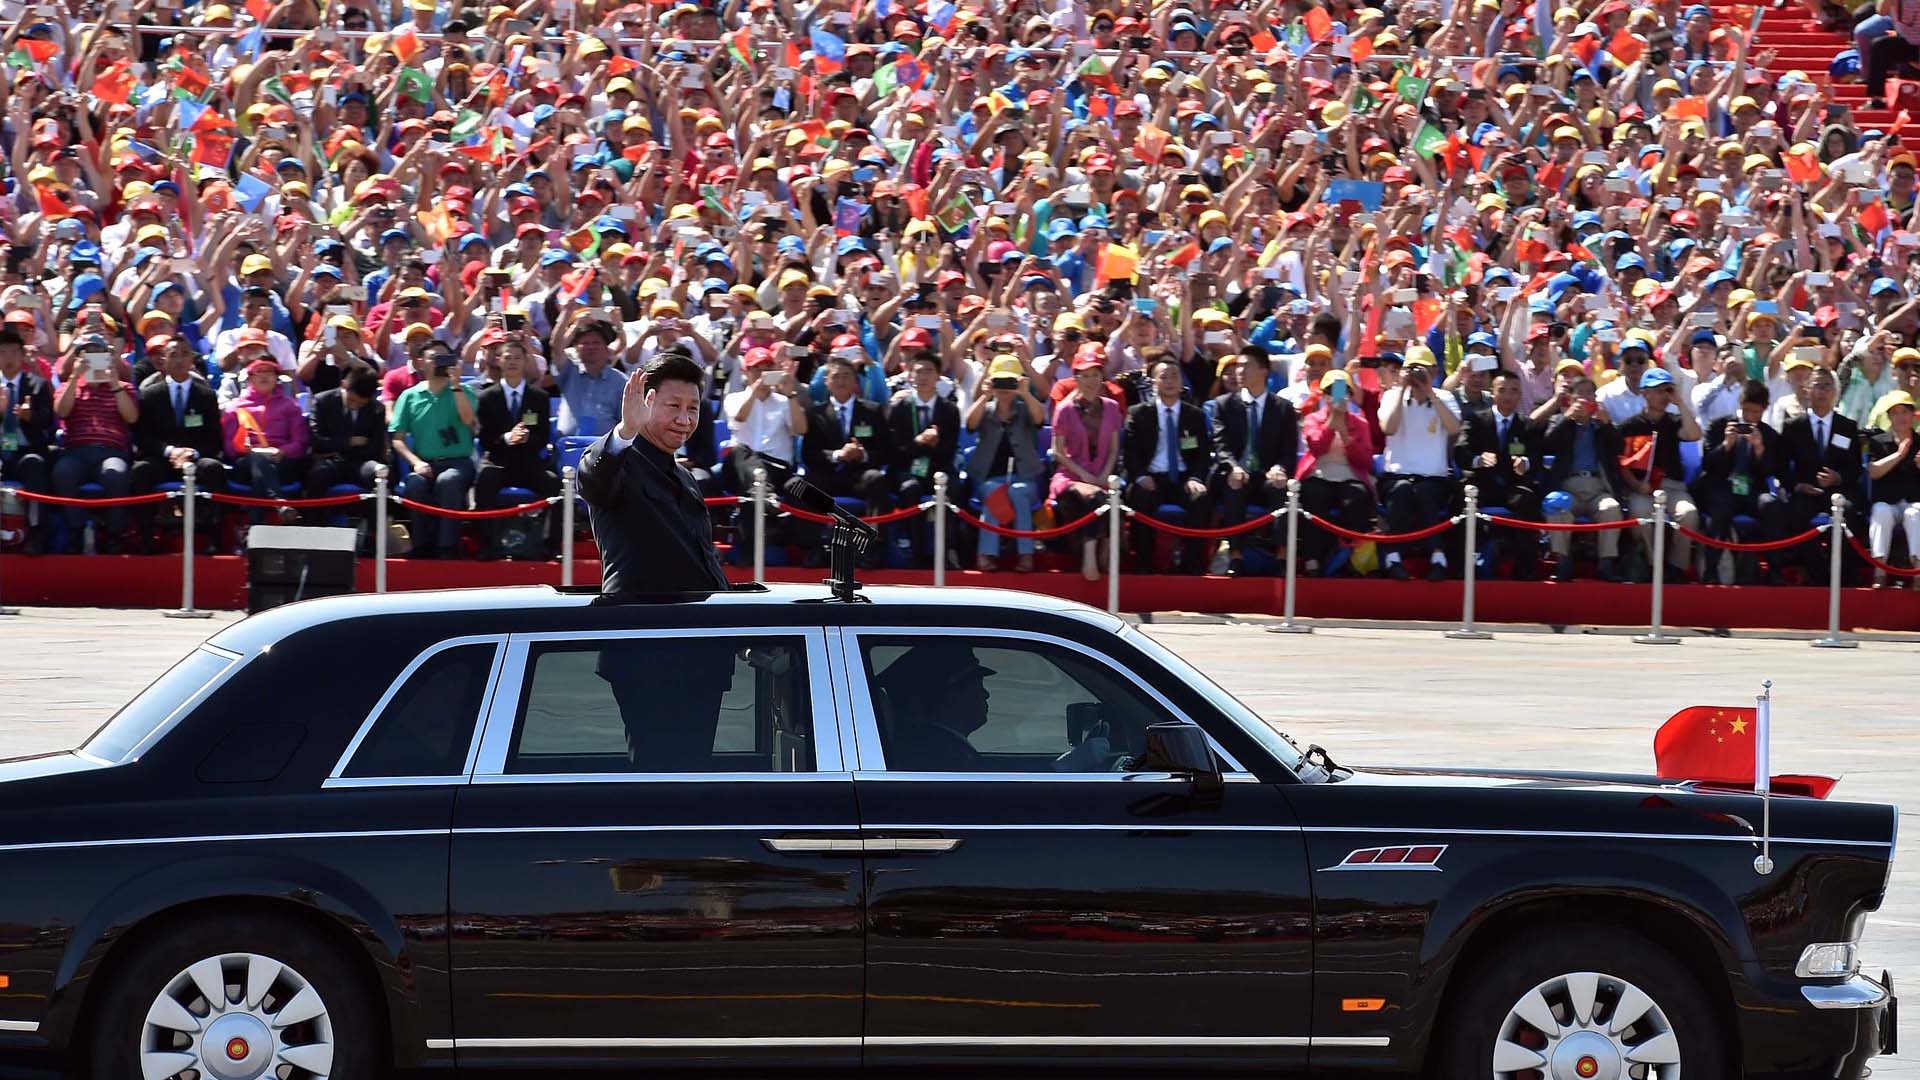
<point x="534" y="829"/>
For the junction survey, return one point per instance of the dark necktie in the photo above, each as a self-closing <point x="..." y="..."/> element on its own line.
<point x="513" y="404"/>
<point x="1502" y="439"/>
<point x="846" y="420"/>
<point x="1252" y="456"/>
<point x="923" y="413"/>
<point x="1171" y="428"/>
<point x="179" y="405"/>
<point x="1820" y="435"/>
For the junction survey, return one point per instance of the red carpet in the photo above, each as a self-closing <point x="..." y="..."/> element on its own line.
<point x="1803" y="46"/>
<point x="153" y="581"/>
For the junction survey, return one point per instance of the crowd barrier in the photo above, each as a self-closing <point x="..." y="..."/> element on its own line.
<point x="764" y="504"/>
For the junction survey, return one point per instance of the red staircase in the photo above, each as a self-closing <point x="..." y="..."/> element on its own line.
<point x="1804" y="47"/>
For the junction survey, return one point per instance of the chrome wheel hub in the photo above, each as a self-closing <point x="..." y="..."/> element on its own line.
<point x="1586" y="1026"/>
<point x="238" y="1016"/>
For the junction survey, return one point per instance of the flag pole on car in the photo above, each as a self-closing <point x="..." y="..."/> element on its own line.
<point x="1762" y="765"/>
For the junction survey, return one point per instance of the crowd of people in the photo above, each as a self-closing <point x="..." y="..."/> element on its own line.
<point x="1568" y="256"/>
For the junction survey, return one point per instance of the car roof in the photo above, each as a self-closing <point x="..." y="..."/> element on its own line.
<point x="264" y="629"/>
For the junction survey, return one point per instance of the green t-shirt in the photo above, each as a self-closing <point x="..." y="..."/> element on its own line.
<point x="432" y="422"/>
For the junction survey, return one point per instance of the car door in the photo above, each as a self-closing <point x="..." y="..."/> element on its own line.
<point x="1032" y="895"/>
<point x="658" y="860"/>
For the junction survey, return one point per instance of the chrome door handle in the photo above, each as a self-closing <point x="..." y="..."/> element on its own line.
<point x="917" y="844"/>
<point x="812" y="846"/>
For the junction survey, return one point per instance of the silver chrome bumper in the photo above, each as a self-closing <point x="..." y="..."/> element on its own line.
<point x="1858" y="992"/>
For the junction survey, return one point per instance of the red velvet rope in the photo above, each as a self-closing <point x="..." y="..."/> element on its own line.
<point x="1571" y="526"/>
<point x="724" y="500"/>
<point x="249" y="500"/>
<point x="1765" y="545"/>
<point x="1864" y="552"/>
<point x="1028" y="534"/>
<point x="888" y="518"/>
<point x="1382" y="538"/>
<point x="1222" y="533"/>
<point x="123" y="500"/>
<point x="474" y="515"/>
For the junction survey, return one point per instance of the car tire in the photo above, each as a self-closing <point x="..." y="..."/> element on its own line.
<point x="300" y="966"/>
<point x="1603" y="965"/>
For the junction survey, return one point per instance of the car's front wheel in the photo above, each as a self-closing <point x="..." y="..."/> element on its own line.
<point x="1586" y="1003"/>
<point x="244" y="998"/>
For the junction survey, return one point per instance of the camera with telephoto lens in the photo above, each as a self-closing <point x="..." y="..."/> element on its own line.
<point x="1005" y="382"/>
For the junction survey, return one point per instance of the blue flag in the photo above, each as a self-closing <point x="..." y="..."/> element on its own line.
<point x="147" y="153"/>
<point x="188" y="114"/>
<point x="1365" y="192"/>
<point x="251" y="42"/>
<point x="251" y="190"/>
<point x="828" y="47"/>
<point x="847" y="215"/>
<point x="942" y="14"/>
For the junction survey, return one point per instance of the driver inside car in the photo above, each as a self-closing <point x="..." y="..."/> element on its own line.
<point x="937" y="694"/>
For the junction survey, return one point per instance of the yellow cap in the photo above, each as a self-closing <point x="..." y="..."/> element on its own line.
<point x="790" y="278"/>
<point x="344" y="322"/>
<point x="253" y="264"/>
<point x="666" y="305"/>
<point x="1005" y="366"/>
<point x="1895" y="397"/>
<point x="1333" y="376"/>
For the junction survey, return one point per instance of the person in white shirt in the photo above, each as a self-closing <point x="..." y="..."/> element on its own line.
<point x="1789" y="392"/>
<point x="766" y="416"/>
<point x="1720" y="396"/>
<point x="1418" y="485"/>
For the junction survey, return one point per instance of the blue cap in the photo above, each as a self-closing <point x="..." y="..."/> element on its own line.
<point x="326" y="270"/>
<point x="165" y="187"/>
<point x="1060" y="228"/>
<point x="1204" y="118"/>
<point x="1580" y="73"/>
<point x="290" y="164"/>
<point x="1481" y="337"/>
<point x="521" y="189"/>
<point x="720" y="258"/>
<point x="1012" y="255"/>
<point x="791" y="245"/>
<point x="1884" y="285"/>
<point x="1500" y="272"/>
<point x="1037" y="281"/>
<point x="1219" y="243"/>
<point x="849" y="245"/>
<point x="327" y="246"/>
<point x="1631" y="260"/>
<point x="1557" y="502"/>
<point x="1845" y="64"/>
<point x="1704" y="334"/>
<point x="1656" y="377"/>
<point x="1561" y="283"/>
<point x="1679" y="247"/>
<point x="162" y="288"/>
<point x="1094" y="221"/>
<point x="710" y="285"/>
<point x="470" y="240"/>
<point x="85" y="286"/>
<point x="352" y="96"/>
<point x="1718" y="277"/>
<point x="145" y="255"/>
<point x="401" y="235"/>
<point x="86" y="251"/>
<point x="1585" y="218"/>
<point x="542" y="112"/>
<point x="606" y="224"/>
<point x="556" y="257"/>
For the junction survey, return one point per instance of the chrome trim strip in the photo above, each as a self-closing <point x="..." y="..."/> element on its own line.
<point x="131" y="841"/>
<point x="522" y="830"/>
<point x="867" y="731"/>
<point x="491" y="759"/>
<point x="641" y="1044"/>
<point x="235" y="663"/>
<point x="483" y="779"/>
<point x="840" y="668"/>
<point x="1858" y="992"/>
<point x="1422" y="830"/>
<point x="1063" y="827"/>
<point x="26" y="1027"/>
<point x="1050" y="777"/>
<point x="814" y="846"/>
<point x="1125" y="1040"/>
<point x="337" y="779"/>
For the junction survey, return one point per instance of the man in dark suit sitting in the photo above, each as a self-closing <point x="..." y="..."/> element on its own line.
<point x="1820" y="457"/>
<point x="1499" y="451"/>
<point x="847" y="448"/>
<point x="349" y="427"/>
<point x="1740" y="453"/>
<point x="1168" y="453"/>
<point x="179" y="422"/>
<point x="924" y="430"/>
<point x="516" y="425"/>
<point x="26" y="423"/>
<point x="1258" y="447"/>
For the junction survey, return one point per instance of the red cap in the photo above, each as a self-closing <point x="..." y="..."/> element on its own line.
<point x="523" y="204"/>
<point x="760" y="356"/>
<point x="491" y="336"/>
<point x="259" y="366"/>
<point x="251" y="335"/>
<point x="1539" y="331"/>
<point x="949" y="277"/>
<point x="846" y="341"/>
<point x="916" y="338"/>
<point x="1091" y="354"/>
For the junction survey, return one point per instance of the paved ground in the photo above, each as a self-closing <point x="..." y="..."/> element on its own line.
<point x="1369" y="695"/>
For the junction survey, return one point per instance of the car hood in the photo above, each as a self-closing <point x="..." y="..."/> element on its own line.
<point x="41" y="766"/>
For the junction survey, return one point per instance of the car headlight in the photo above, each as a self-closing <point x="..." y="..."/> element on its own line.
<point x="1828" y="960"/>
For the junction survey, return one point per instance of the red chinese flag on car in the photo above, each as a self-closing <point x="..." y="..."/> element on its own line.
<point x="1710" y="743"/>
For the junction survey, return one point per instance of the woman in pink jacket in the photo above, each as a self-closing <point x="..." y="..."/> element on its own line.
<point x="266" y="435"/>
<point x="1336" y="472"/>
<point x="1086" y="446"/>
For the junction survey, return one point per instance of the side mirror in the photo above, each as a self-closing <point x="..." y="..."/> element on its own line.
<point x="1178" y="747"/>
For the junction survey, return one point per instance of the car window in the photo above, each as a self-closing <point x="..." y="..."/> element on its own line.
<point x="426" y="728"/>
<point x="665" y="705"/>
<point x="141" y="718"/>
<point x="987" y="704"/>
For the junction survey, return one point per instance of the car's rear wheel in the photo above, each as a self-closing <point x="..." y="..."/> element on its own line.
<point x="1586" y="1003"/>
<point x="246" y="998"/>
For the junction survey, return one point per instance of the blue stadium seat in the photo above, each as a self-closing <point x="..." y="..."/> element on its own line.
<point x="1691" y="455"/>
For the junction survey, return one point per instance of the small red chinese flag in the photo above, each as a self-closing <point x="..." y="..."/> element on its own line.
<point x="1361" y="47"/>
<point x="575" y="284"/>
<point x="619" y="65"/>
<point x="115" y="84"/>
<point x="1426" y="315"/>
<point x="1186" y="254"/>
<point x="41" y="51"/>
<point x="1625" y="47"/>
<point x="260" y="9"/>
<point x="1873" y="217"/>
<point x="212" y="148"/>
<point x="1319" y="24"/>
<point x="1262" y="41"/>
<point x="1688" y="108"/>
<point x="52" y="205"/>
<point x="1803" y="164"/>
<point x="1710" y="743"/>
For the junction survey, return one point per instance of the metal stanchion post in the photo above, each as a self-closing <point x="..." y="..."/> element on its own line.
<point x="760" y="526"/>
<point x="1836" y="531"/>
<point x="939" y="530"/>
<point x="1114" y="513"/>
<point x="1657" y="634"/>
<point x="1470" y="574"/>
<point x="568" y="478"/>
<point x="189" y="494"/>
<point x="379" y="528"/>
<point x="1287" y="625"/>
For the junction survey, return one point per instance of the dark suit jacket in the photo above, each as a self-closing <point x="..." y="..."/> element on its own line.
<point x="902" y="426"/>
<point x="1142" y="439"/>
<point x="37" y="433"/>
<point x="1716" y="462"/>
<point x="156" y="429"/>
<point x="1277" y="441"/>
<point x="495" y="422"/>
<point x="824" y="436"/>
<point x="333" y="431"/>
<point x="1558" y="441"/>
<point x="1480" y="433"/>
<point x="1800" y="461"/>
<point x="650" y="521"/>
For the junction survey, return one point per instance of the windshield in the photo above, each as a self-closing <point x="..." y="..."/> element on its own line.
<point x="146" y="715"/>
<point x="1275" y="743"/>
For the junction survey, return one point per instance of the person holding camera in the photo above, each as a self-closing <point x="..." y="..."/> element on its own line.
<point x="1418" y="487"/>
<point x="432" y="429"/>
<point x="1005" y="469"/>
<point x="1585" y="447"/>
<point x="1740" y="455"/>
<point x="1652" y="440"/>
<point x="1895" y="473"/>
<point x="1336" y="472"/>
<point x="1168" y="452"/>
<point x="97" y="410"/>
